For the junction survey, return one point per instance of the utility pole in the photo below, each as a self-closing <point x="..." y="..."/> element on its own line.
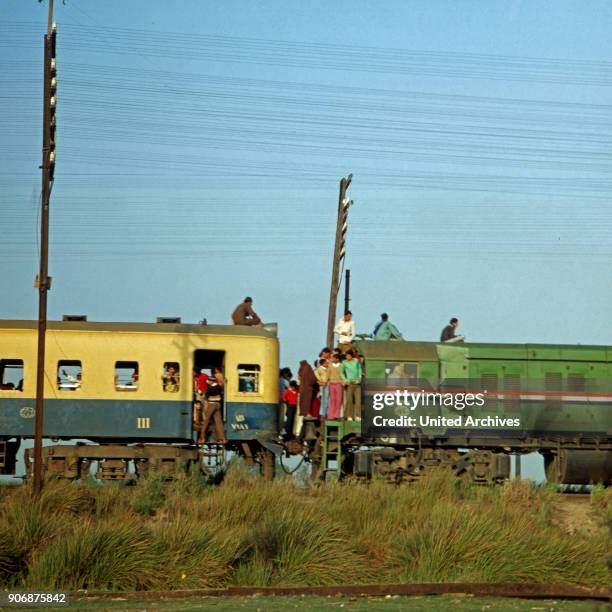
<point x="43" y="281"/>
<point x="339" y="252"/>
<point x="347" y="289"/>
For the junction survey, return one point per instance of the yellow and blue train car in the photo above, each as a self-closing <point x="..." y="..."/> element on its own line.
<point x="108" y="383"/>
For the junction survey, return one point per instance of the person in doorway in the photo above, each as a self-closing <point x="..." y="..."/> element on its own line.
<point x="245" y="315"/>
<point x="351" y="373"/>
<point x="214" y="412"/>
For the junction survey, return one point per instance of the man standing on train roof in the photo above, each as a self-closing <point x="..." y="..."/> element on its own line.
<point x="345" y="328"/>
<point x="245" y="315"/>
<point x="448" y="333"/>
<point x="385" y="330"/>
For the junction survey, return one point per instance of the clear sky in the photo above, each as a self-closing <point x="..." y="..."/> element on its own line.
<point x="201" y="145"/>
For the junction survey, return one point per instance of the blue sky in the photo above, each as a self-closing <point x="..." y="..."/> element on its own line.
<point x="201" y="145"/>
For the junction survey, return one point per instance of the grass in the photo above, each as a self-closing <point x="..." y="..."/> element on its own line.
<point x="185" y="534"/>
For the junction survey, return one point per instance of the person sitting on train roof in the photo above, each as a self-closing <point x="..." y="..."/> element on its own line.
<point x="345" y="328"/>
<point x="245" y="315"/>
<point x="448" y="333"/>
<point x="385" y="330"/>
<point x="171" y="380"/>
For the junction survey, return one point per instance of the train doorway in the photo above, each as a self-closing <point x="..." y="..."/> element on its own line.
<point x="208" y="361"/>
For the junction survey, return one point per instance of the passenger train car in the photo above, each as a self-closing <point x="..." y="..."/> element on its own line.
<point x="104" y="384"/>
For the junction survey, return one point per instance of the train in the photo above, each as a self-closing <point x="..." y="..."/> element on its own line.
<point x="105" y="394"/>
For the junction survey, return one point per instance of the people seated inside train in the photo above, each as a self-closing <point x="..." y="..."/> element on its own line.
<point x="245" y="315"/>
<point x="131" y="384"/>
<point x="448" y="333"/>
<point x="9" y="386"/>
<point x="171" y="379"/>
<point x="70" y="382"/>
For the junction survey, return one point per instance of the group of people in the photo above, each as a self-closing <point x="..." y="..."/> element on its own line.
<point x="208" y="388"/>
<point x="332" y="388"/>
<point x="328" y="389"/>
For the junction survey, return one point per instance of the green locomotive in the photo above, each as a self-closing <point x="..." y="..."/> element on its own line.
<point x="470" y="406"/>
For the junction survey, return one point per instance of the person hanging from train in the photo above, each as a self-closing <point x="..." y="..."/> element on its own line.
<point x="351" y="372"/>
<point x="213" y="413"/>
<point x="322" y="375"/>
<point x="336" y="388"/>
<point x="345" y="328"/>
<point x="290" y="398"/>
<point x="200" y="384"/>
<point x="198" y="415"/>
<point x="245" y="315"/>
<point x="448" y="333"/>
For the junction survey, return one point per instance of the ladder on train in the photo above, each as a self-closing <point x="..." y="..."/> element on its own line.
<point x="213" y="458"/>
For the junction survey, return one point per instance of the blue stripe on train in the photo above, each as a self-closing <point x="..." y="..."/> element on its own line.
<point x="144" y="419"/>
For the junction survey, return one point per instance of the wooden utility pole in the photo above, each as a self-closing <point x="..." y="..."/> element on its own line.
<point x="43" y="281"/>
<point x="347" y="289"/>
<point x="339" y="252"/>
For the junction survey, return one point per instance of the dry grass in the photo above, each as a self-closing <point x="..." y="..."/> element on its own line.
<point x="186" y="534"/>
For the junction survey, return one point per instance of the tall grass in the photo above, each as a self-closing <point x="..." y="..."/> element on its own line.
<point x="165" y="535"/>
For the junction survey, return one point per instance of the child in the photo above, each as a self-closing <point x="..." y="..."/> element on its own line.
<point x="322" y="374"/>
<point x="290" y="397"/>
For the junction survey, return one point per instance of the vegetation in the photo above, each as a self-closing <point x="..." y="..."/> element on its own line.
<point x="186" y="534"/>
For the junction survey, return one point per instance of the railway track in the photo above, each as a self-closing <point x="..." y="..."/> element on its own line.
<point x="525" y="591"/>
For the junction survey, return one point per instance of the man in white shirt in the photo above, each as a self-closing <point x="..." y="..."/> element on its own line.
<point x="345" y="328"/>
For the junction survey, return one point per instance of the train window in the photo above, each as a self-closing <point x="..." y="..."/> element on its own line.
<point x="126" y="375"/>
<point x="11" y="374"/>
<point x="248" y="377"/>
<point x="69" y="375"/>
<point x="401" y="373"/>
<point x="171" y="378"/>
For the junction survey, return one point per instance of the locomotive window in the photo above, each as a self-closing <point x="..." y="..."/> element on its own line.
<point x="11" y="375"/>
<point x="248" y="377"/>
<point x="171" y="378"/>
<point x="400" y="373"/>
<point x="69" y="375"/>
<point x="126" y="375"/>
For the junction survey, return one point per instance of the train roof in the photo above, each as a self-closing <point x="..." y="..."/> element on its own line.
<point x="402" y="350"/>
<point x="160" y="328"/>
